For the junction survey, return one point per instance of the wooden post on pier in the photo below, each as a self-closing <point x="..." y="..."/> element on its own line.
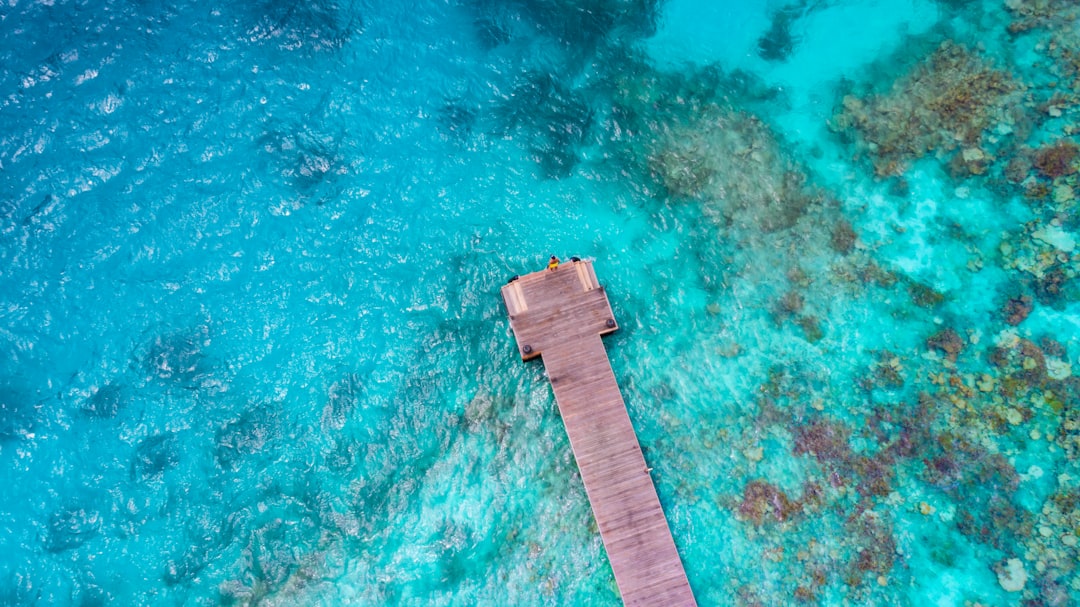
<point x="561" y="315"/>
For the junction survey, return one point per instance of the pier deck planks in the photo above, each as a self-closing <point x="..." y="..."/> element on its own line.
<point x="561" y="316"/>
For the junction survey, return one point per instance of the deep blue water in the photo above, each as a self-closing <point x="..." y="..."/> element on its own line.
<point x="254" y="351"/>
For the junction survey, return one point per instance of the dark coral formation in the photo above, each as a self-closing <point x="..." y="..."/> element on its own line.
<point x="1017" y="309"/>
<point x="762" y="500"/>
<point x="1032" y="14"/>
<point x="876" y="545"/>
<point x="946" y="341"/>
<point x="1042" y="255"/>
<point x="778" y="42"/>
<point x="957" y="465"/>
<point x="843" y="237"/>
<point x="1056" y="160"/>
<point x="925" y="296"/>
<point x="825" y="440"/>
<point x="1021" y="360"/>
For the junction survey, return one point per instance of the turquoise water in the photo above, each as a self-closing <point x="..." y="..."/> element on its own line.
<point x="254" y="351"/>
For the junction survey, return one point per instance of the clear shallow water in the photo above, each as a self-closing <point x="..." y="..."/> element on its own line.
<point x="255" y="354"/>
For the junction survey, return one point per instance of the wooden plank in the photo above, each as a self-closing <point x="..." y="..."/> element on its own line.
<point x="561" y="315"/>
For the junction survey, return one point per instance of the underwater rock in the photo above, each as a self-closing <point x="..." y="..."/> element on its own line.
<point x="899" y="187"/>
<point x="154" y="455"/>
<point x="1058" y="369"/>
<point x="584" y="25"/>
<point x="1043" y="253"/>
<point x="982" y="481"/>
<point x="491" y="31"/>
<point x="872" y="273"/>
<point x="553" y="117"/>
<point x="811" y="327"/>
<point x="70" y="527"/>
<point x="946" y="341"/>
<point x="275" y="554"/>
<point x="1011" y="575"/>
<point x="312" y="26"/>
<point x="17" y="414"/>
<point x="187" y="566"/>
<point x="874" y="476"/>
<point x="237" y="439"/>
<point x="886" y="372"/>
<point x="790" y="303"/>
<point x="306" y="159"/>
<point x="341" y="400"/>
<point x="960" y="461"/>
<point x="178" y="357"/>
<point x="456" y="120"/>
<point x="1016" y="171"/>
<point x="1056" y="237"/>
<point x="1052" y="286"/>
<point x="1038" y="13"/>
<point x="1063" y="193"/>
<point x="340" y="458"/>
<point x="104" y="403"/>
<point x="1052" y="347"/>
<point x="971" y="161"/>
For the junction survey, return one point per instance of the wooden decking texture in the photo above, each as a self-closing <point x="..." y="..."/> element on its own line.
<point x="561" y="315"/>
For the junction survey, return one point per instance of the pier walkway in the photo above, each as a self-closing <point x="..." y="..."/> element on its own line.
<point x="561" y="315"/>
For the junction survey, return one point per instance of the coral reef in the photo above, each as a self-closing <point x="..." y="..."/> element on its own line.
<point x="1017" y="309"/>
<point x="1043" y="254"/>
<point x="946" y="341"/>
<point x="1032" y="14"/>
<point x="762" y="500"/>
<point x="843" y="237"/>
<point x="1056" y="160"/>
<point x="733" y="161"/>
<point x="685" y="130"/>
<point x="944" y="102"/>
<point x="778" y="42"/>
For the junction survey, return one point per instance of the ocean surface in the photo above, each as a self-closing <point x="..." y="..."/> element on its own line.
<point x="252" y="349"/>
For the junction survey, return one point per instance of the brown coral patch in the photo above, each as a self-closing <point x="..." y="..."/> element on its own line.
<point x="843" y="237"/>
<point x="875" y="476"/>
<point x="827" y="441"/>
<point x="1023" y="361"/>
<point x="1017" y="309"/>
<point x="762" y="499"/>
<point x="925" y="296"/>
<point x="1056" y="160"/>
<point x="811" y="328"/>
<point x="1051" y="287"/>
<point x="1016" y="171"/>
<point x="875" y="544"/>
<point x="946" y="341"/>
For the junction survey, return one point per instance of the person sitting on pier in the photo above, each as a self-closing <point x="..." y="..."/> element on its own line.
<point x="554" y="263"/>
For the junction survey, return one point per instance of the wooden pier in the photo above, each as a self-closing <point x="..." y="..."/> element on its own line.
<point x="561" y="315"/>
